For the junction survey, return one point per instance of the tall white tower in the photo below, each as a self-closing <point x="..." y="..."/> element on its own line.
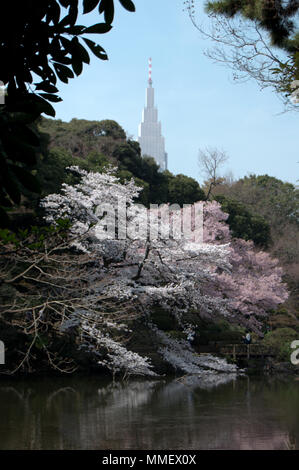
<point x="150" y="137"/>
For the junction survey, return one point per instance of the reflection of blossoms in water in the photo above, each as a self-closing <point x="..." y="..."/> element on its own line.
<point x="207" y="381"/>
<point x="130" y="394"/>
<point x="212" y="411"/>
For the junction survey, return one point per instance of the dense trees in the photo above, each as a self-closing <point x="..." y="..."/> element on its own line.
<point x="183" y="190"/>
<point x="243" y="224"/>
<point x="74" y="288"/>
<point x="251" y="210"/>
<point x="271" y="198"/>
<point x="98" y="149"/>
<point x="94" y="144"/>
<point x="80" y="137"/>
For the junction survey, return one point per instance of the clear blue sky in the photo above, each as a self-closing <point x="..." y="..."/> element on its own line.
<point x="198" y="103"/>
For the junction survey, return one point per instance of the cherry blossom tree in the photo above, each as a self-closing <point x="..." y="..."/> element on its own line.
<point x="141" y="262"/>
<point x="161" y="257"/>
<point x="254" y="285"/>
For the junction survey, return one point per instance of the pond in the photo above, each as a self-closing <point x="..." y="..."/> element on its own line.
<point x="189" y="413"/>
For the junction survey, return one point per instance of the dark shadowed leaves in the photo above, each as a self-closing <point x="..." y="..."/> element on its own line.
<point x="128" y="5"/>
<point x="26" y="178"/>
<point x="89" y="5"/>
<point x="49" y="97"/>
<point x="4" y="220"/>
<point x="97" y="50"/>
<point x="99" y="28"/>
<point x="63" y="72"/>
<point x="44" y="41"/>
<point x="47" y="87"/>
<point x="107" y="6"/>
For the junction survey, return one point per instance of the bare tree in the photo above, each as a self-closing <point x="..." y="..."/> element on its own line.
<point x="50" y="299"/>
<point x="209" y="161"/>
<point x="244" y="47"/>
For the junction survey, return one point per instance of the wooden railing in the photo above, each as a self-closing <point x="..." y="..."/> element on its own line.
<point x="246" y="350"/>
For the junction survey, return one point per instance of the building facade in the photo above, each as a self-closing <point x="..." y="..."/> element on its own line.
<point x="150" y="137"/>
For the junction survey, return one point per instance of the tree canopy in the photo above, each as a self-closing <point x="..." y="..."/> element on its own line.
<point x="243" y="224"/>
<point x="47" y="45"/>
<point x="277" y="17"/>
<point x="256" y="39"/>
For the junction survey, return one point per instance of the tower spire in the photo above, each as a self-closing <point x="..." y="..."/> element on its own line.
<point x="149" y="133"/>
<point x="150" y="82"/>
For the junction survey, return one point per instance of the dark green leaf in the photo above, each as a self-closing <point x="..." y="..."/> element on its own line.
<point x="55" y="46"/>
<point x="4" y="219"/>
<point x="49" y="97"/>
<point x="53" y="13"/>
<point x="16" y="149"/>
<point x="71" y="18"/>
<point x="97" y="50"/>
<point x="63" y="72"/>
<point x="66" y="21"/>
<point x="24" y="134"/>
<point x="99" y="28"/>
<point x="12" y="189"/>
<point x="46" y="86"/>
<point x="73" y="13"/>
<point x="26" y="178"/>
<point x="62" y="59"/>
<point x="128" y="5"/>
<point x="78" y="29"/>
<point x="89" y="5"/>
<point x="107" y="6"/>
<point x="65" y="3"/>
<point x="44" y="106"/>
<point x="4" y="201"/>
<point x="79" y="52"/>
<point x="77" y="65"/>
<point x="67" y="44"/>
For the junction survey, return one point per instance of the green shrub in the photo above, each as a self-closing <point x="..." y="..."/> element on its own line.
<point x="163" y="319"/>
<point x="280" y="340"/>
<point x="221" y="331"/>
<point x="178" y="335"/>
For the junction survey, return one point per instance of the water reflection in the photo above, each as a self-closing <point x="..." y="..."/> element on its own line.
<point x="186" y="413"/>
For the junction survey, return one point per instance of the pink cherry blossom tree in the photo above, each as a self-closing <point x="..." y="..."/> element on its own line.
<point x="254" y="286"/>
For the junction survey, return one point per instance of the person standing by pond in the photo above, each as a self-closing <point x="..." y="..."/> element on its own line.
<point x="247" y="338"/>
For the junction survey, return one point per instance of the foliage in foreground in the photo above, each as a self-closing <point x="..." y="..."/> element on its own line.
<point x="42" y="40"/>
